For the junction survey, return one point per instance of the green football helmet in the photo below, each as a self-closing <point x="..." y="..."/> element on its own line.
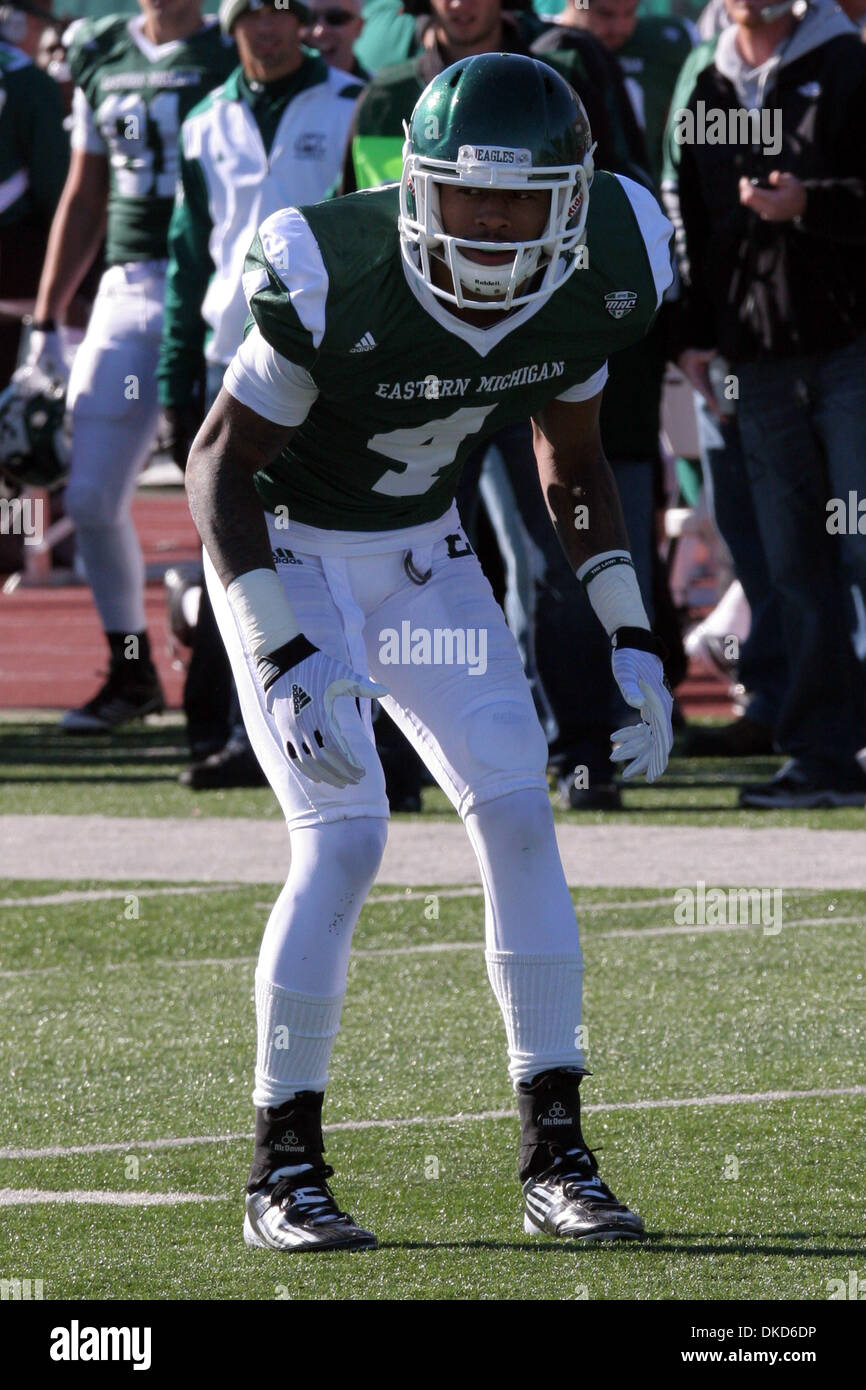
<point x="35" y="440"/>
<point x="501" y="121"/>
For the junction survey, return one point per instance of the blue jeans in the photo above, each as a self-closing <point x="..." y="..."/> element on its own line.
<point x="763" y="663"/>
<point x="803" y="428"/>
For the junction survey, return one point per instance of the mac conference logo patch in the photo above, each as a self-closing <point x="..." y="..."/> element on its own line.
<point x="620" y="302"/>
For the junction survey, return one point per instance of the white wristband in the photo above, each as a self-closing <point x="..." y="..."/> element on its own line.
<point x="263" y="612"/>
<point x="612" y="589"/>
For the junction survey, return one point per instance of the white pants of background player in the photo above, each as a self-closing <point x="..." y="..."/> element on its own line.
<point x="112" y="396"/>
<point x="479" y="736"/>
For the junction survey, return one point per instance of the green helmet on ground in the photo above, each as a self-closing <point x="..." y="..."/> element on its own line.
<point x="501" y="121"/>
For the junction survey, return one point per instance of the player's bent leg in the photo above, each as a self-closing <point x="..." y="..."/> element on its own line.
<point x="337" y="838"/>
<point x="535" y="968"/>
<point x="300" y="986"/>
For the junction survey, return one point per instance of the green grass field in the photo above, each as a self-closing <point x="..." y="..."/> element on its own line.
<point x="135" y="774"/>
<point x="124" y="1031"/>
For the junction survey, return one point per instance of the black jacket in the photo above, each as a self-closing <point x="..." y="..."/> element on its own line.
<point x="755" y="289"/>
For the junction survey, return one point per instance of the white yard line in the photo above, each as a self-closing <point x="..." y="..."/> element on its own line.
<point x="101" y="894"/>
<point x="433" y="948"/>
<point x="471" y="891"/>
<point x="673" y="1103"/>
<point x="24" y="1196"/>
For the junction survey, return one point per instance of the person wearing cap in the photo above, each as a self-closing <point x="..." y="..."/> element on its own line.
<point x="270" y="137"/>
<point x="23" y="23"/>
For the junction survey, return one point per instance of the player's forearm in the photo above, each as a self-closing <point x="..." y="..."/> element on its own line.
<point x="76" y="234"/>
<point x="227" y="511"/>
<point x="232" y="444"/>
<point x="583" y="502"/>
<point x="584" y="505"/>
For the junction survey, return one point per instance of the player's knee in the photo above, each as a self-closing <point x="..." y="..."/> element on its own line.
<point x="521" y="823"/>
<point x="87" y="504"/>
<point x="355" y="849"/>
<point x="506" y="736"/>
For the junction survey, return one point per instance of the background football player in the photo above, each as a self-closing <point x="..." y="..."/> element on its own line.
<point x="273" y="134"/>
<point x="394" y="331"/>
<point x="135" y="80"/>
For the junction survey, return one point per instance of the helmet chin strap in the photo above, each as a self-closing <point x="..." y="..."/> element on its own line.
<point x="491" y="281"/>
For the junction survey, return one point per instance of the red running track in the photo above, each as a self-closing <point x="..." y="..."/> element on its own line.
<point x="53" y="653"/>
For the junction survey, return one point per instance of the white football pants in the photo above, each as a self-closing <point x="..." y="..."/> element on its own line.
<point x="471" y="719"/>
<point x="113" y="399"/>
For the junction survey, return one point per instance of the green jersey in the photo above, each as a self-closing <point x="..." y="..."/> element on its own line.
<point x="401" y="389"/>
<point x="34" y="150"/>
<point x="651" y="61"/>
<point x="130" y="100"/>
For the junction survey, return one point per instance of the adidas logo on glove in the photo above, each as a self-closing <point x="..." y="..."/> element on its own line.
<point x="300" y="698"/>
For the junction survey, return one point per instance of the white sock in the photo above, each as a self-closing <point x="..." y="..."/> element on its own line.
<point x="540" y="999"/>
<point x="534" y="962"/>
<point x="296" y="1034"/>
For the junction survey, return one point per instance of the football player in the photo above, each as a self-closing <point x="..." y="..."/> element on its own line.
<point x="393" y="331"/>
<point x="135" y="81"/>
<point x="273" y="134"/>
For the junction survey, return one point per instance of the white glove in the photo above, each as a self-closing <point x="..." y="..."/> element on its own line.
<point x="45" y="354"/>
<point x="301" y="702"/>
<point x="645" y="746"/>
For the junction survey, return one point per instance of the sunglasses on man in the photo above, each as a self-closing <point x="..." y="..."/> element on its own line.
<point x="333" y="18"/>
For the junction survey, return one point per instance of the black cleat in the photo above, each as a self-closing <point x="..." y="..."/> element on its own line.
<point x="119" y="701"/>
<point x="599" y="796"/>
<point x="570" y="1200"/>
<point x="296" y="1210"/>
<point x="300" y="1213"/>
<point x="562" y="1192"/>
<point x="235" y="765"/>
<point x="792" y="789"/>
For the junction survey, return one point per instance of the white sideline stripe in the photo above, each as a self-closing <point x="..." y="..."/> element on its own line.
<point x="88" y="895"/>
<point x="436" y="947"/>
<point x="100" y="894"/>
<point x="23" y="1196"/>
<point x="472" y="891"/>
<point x="675" y="1103"/>
<point x="726" y="926"/>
